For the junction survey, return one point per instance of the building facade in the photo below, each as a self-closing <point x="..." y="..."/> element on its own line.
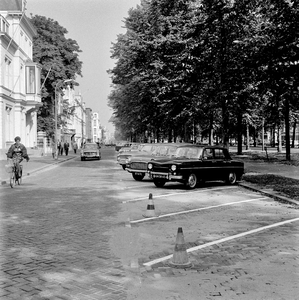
<point x="73" y="111"/>
<point x="19" y="77"/>
<point x="96" y="128"/>
<point x="89" y="118"/>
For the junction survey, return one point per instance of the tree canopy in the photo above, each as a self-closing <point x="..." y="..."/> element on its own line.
<point x="207" y="66"/>
<point x="59" y="58"/>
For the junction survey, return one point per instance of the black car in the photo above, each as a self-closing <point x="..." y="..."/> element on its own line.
<point x="193" y="164"/>
<point x="137" y="164"/>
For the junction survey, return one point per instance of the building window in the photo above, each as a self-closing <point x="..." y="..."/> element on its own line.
<point x="8" y="75"/>
<point x="3" y="25"/>
<point x="32" y="79"/>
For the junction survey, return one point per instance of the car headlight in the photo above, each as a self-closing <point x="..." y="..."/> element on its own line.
<point x="150" y="166"/>
<point x="173" y="168"/>
<point x="128" y="160"/>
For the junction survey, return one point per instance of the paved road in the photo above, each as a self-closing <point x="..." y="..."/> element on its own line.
<point x="55" y="235"/>
<point x="64" y="237"/>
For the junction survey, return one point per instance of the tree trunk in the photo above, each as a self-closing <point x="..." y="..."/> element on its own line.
<point x="279" y="146"/>
<point x="239" y="124"/>
<point x="247" y="137"/>
<point x="211" y="131"/>
<point x="263" y="134"/>
<point x="287" y="128"/>
<point x="294" y="133"/>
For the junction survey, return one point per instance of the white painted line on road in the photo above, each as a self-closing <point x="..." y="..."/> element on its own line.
<point x="229" y="238"/>
<point x="181" y="193"/>
<point x="196" y="210"/>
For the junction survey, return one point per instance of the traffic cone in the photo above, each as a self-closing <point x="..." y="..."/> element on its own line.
<point x="150" y="211"/>
<point x="180" y="257"/>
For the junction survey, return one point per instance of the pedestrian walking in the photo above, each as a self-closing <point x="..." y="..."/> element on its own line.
<point x="54" y="148"/>
<point x="75" y="147"/>
<point x="59" y="147"/>
<point x="66" y="146"/>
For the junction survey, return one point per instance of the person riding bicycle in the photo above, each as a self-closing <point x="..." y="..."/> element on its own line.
<point x="17" y="152"/>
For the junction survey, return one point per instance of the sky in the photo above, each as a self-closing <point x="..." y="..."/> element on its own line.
<point x="94" y="25"/>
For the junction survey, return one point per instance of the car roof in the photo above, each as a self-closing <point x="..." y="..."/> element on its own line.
<point x="205" y="146"/>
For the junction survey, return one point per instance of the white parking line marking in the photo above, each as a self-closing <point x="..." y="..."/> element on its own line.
<point x="236" y="236"/>
<point x="182" y="193"/>
<point x="195" y="210"/>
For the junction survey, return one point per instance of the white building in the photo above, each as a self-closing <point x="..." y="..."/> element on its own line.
<point x="74" y="114"/>
<point x="96" y="128"/>
<point x="19" y="77"/>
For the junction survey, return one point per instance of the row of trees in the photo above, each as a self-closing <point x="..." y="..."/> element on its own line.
<point x="214" y="65"/>
<point x="59" y="58"/>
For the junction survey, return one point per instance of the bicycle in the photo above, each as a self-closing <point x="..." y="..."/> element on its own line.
<point x="15" y="176"/>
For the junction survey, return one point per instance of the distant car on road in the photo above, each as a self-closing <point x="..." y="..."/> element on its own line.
<point x="120" y="145"/>
<point x="90" y="150"/>
<point x="194" y="164"/>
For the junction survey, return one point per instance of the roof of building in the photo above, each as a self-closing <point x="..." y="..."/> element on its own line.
<point x="11" y="5"/>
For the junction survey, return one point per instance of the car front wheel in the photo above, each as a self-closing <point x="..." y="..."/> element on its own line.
<point x="138" y="177"/>
<point x="192" y="181"/>
<point x="159" y="183"/>
<point x="232" y="178"/>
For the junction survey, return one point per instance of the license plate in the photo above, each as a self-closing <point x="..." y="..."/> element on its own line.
<point x="137" y="173"/>
<point x="159" y="176"/>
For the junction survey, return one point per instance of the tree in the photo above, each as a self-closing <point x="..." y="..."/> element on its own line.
<point x="59" y="59"/>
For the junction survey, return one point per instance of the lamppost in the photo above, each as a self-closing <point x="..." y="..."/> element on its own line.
<point x="56" y="109"/>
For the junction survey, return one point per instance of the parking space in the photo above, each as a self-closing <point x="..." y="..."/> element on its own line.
<point x="206" y="214"/>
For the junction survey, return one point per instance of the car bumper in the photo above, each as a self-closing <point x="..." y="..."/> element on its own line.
<point x="166" y="176"/>
<point x="136" y="171"/>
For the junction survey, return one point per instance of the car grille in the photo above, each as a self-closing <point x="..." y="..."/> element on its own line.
<point x="160" y="169"/>
<point x="138" y="165"/>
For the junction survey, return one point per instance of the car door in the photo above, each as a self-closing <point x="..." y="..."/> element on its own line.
<point x="207" y="164"/>
<point x="220" y="166"/>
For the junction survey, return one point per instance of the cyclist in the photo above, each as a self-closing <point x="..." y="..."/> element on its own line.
<point x="17" y="152"/>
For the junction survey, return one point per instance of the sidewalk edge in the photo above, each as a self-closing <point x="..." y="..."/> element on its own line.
<point x="273" y="194"/>
<point x="3" y="182"/>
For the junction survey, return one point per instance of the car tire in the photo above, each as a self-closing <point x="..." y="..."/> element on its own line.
<point x="159" y="183"/>
<point x="231" y="178"/>
<point x="82" y="159"/>
<point x="192" y="181"/>
<point x="138" y="177"/>
<point x="124" y="167"/>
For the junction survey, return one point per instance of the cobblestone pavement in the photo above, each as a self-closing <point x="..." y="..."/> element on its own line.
<point x="263" y="266"/>
<point x="54" y="237"/>
<point x="55" y="230"/>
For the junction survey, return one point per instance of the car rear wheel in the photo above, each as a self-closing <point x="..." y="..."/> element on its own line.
<point x="159" y="182"/>
<point x="231" y="178"/>
<point x="82" y="158"/>
<point x="124" y="167"/>
<point x="192" y="181"/>
<point x="138" y="177"/>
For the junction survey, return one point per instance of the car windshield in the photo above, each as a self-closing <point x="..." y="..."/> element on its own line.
<point x="146" y="148"/>
<point x="188" y="152"/>
<point x="134" y="147"/>
<point x="91" y="147"/>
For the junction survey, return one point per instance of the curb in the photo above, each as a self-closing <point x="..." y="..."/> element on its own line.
<point x="273" y="194"/>
<point x="3" y="182"/>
